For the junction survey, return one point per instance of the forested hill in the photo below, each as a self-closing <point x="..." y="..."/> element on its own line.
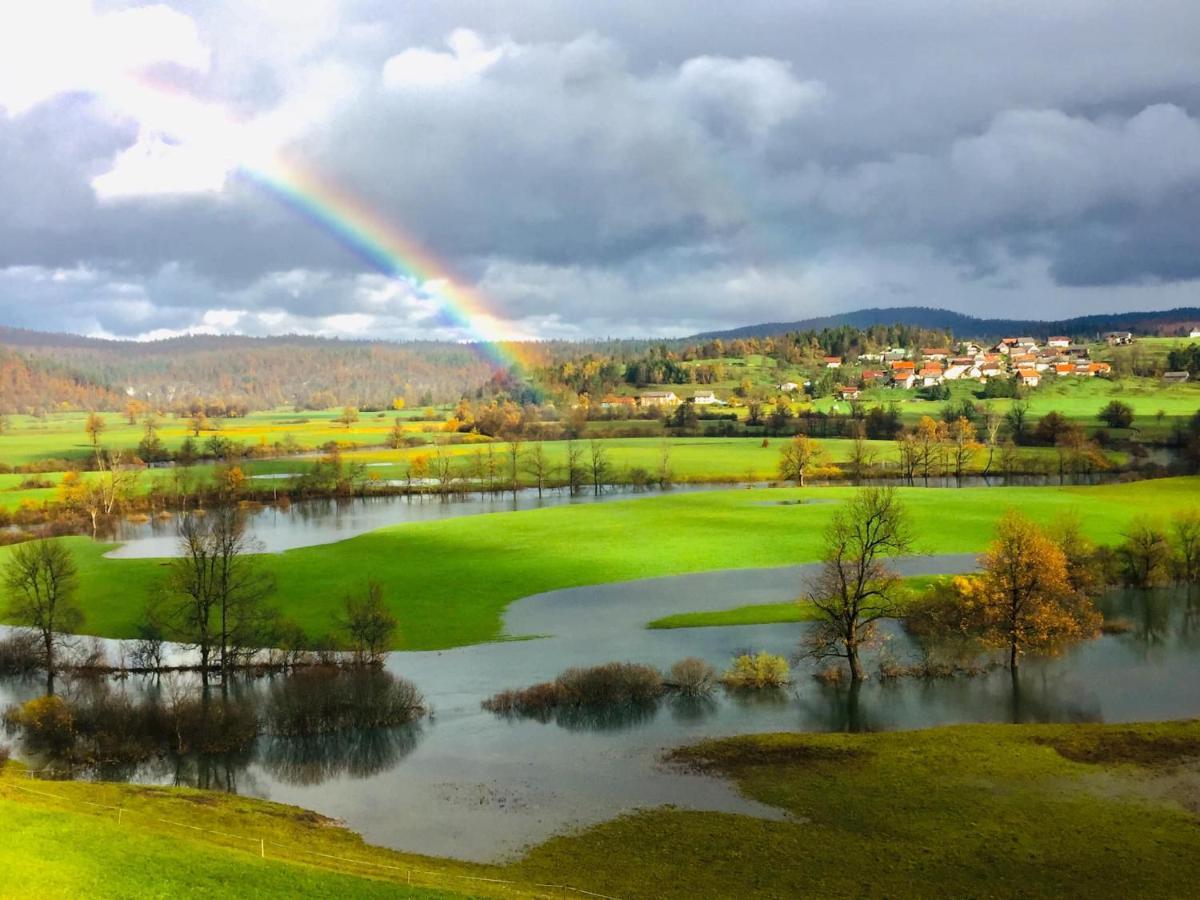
<point x="1163" y="322"/>
<point x="30" y="385"/>
<point x="249" y="372"/>
<point x="258" y="373"/>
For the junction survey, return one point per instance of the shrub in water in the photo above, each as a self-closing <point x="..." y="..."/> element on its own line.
<point x="692" y="677"/>
<point x="610" y="683"/>
<point x="47" y="721"/>
<point x="762" y="671"/>
<point x="20" y="653"/>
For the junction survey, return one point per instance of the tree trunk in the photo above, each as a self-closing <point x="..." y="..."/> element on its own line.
<point x="856" y="667"/>
<point x="1014" y="656"/>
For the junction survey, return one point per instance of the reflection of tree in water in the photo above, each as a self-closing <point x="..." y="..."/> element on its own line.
<point x="605" y="717"/>
<point x="1045" y="694"/>
<point x="357" y="752"/>
<point x="691" y="708"/>
<point x="1150" y="611"/>
<point x="327" y="722"/>
<point x="839" y="707"/>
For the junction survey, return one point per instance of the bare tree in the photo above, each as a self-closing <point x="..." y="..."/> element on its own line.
<point x="600" y="465"/>
<point x="1185" y="533"/>
<point x="216" y="591"/>
<point x="575" y="470"/>
<point x="513" y="458"/>
<point x="369" y="624"/>
<point x="862" y="457"/>
<point x="41" y="580"/>
<point x="991" y="427"/>
<point x="537" y="464"/>
<point x="856" y="588"/>
<point x="665" y="474"/>
<point x="963" y="446"/>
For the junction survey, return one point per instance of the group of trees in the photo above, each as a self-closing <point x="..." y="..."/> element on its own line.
<point x="215" y="598"/>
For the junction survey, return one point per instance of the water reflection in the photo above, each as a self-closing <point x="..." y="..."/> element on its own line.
<point x="487" y="786"/>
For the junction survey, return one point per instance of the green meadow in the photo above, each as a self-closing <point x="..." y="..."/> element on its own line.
<point x="449" y="581"/>
<point x="963" y="811"/>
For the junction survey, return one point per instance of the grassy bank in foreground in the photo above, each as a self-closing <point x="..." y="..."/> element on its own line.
<point x="764" y="613"/>
<point x="967" y="811"/>
<point x="973" y="810"/>
<point x="449" y="581"/>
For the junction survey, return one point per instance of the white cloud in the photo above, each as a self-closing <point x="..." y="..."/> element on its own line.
<point x="419" y="67"/>
<point x="50" y="47"/>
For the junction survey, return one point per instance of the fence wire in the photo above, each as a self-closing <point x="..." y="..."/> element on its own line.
<point x="261" y="844"/>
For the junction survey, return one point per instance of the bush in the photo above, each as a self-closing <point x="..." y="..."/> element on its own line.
<point x="322" y="701"/>
<point x="692" y="677"/>
<point x="610" y="684"/>
<point x="20" y="653"/>
<point x="762" y="671"/>
<point x="47" y="721"/>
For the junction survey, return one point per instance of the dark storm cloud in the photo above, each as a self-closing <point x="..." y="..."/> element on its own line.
<point x="617" y="167"/>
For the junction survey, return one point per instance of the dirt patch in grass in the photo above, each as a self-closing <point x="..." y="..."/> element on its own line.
<point x="1130" y="747"/>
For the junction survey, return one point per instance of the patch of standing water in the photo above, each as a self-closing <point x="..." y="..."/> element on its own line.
<point x="307" y="523"/>
<point x="470" y="784"/>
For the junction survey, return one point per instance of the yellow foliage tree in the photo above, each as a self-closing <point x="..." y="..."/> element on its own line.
<point x="1024" y="600"/>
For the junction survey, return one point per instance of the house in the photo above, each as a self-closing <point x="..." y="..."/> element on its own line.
<point x="956" y="371"/>
<point x="903" y="365"/>
<point x="930" y="376"/>
<point x="848" y="393"/>
<point x="658" y="398"/>
<point x="1176" y="377"/>
<point x="789" y="387"/>
<point x="1029" y="377"/>
<point x="1195" y="333"/>
<point x="871" y="376"/>
<point x="935" y="352"/>
<point x="905" y="378"/>
<point x="832" y="362"/>
<point x="1064" y="369"/>
<point x="1101" y="368"/>
<point x="1117" y="338"/>
<point x="612" y="401"/>
<point x="970" y="349"/>
<point x="1005" y="346"/>
<point x="895" y="353"/>
<point x="1024" y="359"/>
<point x="990" y="370"/>
<point x="1062" y="342"/>
<point x="706" y="398"/>
<point x="1027" y="342"/>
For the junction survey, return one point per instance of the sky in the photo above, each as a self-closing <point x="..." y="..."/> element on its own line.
<point x="591" y="169"/>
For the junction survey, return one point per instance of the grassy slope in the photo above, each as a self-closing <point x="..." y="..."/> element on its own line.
<point x="968" y="811"/>
<point x="68" y="846"/>
<point x="973" y="810"/>
<point x="449" y="581"/>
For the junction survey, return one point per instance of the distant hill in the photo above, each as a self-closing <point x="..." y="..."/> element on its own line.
<point x="1163" y="322"/>
<point x="250" y="372"/>
<point x="32" y="385"/>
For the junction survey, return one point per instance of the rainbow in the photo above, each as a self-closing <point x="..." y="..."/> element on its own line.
<point x="388" y="250"/>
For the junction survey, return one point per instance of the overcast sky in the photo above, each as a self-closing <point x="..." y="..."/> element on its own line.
<point x="615" y="168"/>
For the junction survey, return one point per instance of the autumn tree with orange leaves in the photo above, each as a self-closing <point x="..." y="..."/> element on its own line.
<point x="1024" y="600"/>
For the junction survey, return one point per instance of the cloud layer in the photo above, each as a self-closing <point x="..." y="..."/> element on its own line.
<point x="596" y="169"/>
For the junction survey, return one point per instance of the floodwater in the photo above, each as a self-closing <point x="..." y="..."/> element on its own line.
<point x="470" y="784"/>
<point x="307" y="523"/>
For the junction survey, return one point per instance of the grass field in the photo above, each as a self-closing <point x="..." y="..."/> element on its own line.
<point x="449" y="581"/>
<point x="968" y="811"/>
<point x="765" y="613"/>
<point x="61" y="435"/>
<point x="965" y="811"/>
<point x="692" y="460"/>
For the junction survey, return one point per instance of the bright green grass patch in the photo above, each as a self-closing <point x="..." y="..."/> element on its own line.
<point x="449" y="581"/>
<point x="766" y="613"/>
<point x="967" y="811"/>
<point x="56" y="848"/>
